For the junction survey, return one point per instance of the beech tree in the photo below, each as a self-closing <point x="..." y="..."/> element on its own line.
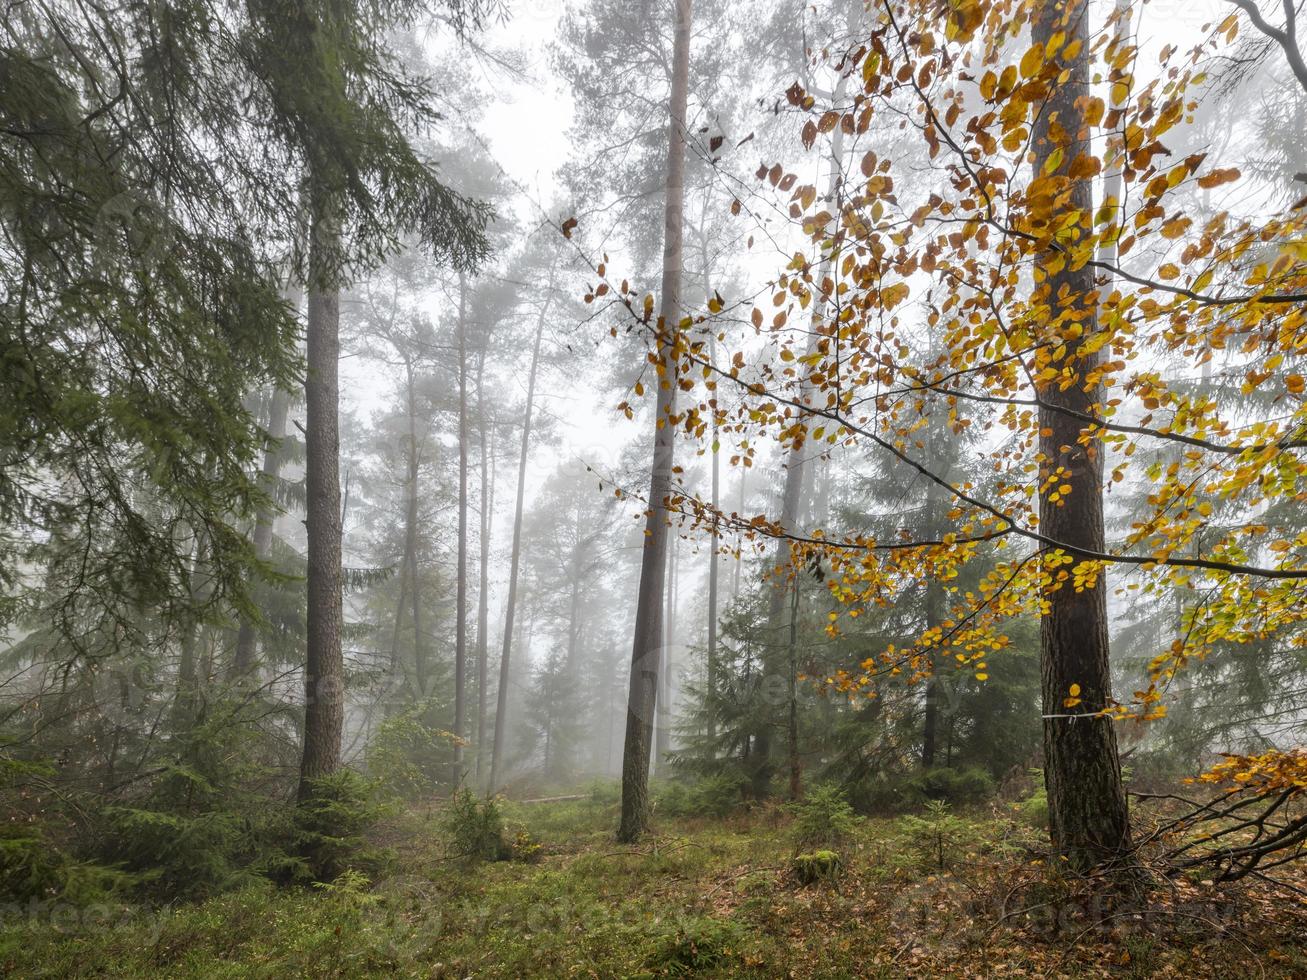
<point x="1014" y="240"/>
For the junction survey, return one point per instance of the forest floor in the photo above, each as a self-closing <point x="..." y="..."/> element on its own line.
<point x="706" y="897"/>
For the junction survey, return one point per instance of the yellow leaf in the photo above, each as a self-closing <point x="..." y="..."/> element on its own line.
<point x="1032" y="61"/>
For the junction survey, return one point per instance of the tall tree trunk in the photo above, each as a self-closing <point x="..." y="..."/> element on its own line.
<point x="242" y="662"/>
<point x="792" y="676"/>
<point x="411" y="545"/>
<point x="400" y="606"/>
<point x="460" y="614"/>
<point x="501" y="706"/>
<point x="579" y="541"/>
<point x="735" y="576"/>
<point x="1088" y="814"/>
<point x="324" y="683"/>
<point x="714" y="536"/>
<point x="795" y="480"/>
<point x="483" y="587"/>
<point x="188" y="670"/>
<point x="937" y="449"/>
<point x="646" y="652"/>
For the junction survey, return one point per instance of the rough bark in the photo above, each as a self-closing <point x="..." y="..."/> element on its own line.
<point x="646" y="653"/>
<point x="324" y="687"/>
<point x="1088" y="815"/>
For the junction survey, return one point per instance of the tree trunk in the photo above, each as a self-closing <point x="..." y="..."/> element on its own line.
<point x="483" y="588"/>
<point x="188" y="671"/>
<point x="646" y="652"/>
<point x="324" y="686"/>
<point x="714" y="536"/>
<point x="579" y="541"/>
<point x="792" y="728"/>
<point x="460" y="606"/>
<point x="795" y="479"/>
<point x="663" y="716"/>
<point x="243" y="658"/>
<point x="735" y="576"/>
<point x="501" y="705"/>
<point x="937" y="449"/>
<point x="1088" y="815"/>
<point x="411" y="545"/>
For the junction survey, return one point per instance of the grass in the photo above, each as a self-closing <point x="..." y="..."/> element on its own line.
<point x="702" y="898"/>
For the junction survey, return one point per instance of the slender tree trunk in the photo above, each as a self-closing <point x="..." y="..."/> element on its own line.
<point x="795" y="479"/>
<point x="396" y="670"/>
<point x="188" y="671"/>
<point x="714" y="537"/>
<point x="460" y="614"/>
<point x="411" y="545"/>
<point x="574" y="604"/>
<point x="938" y="451"/>
<point x="324" y="684"/>
<point x="646" y="651"/>
<point x="792" y="728"/>
<point x="497" y="756"/>
<point x="663" y="717"/>
<point x="1088" y="814"/>
<point x="930" y="723"/>
<point x="735" y="578"/>
<point x="243" y="658"/>
<point x="483" y="588"/>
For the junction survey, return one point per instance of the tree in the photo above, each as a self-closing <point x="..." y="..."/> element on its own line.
<point x="1016" y="254"/>
<point x="1088" y="816"/>
<point x="647" y="650"/>
<point x="329" y="74"/>
<point x="460" y="617"/>
<point x="499" y="751"/>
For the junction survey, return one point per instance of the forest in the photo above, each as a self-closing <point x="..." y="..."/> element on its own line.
<point x="640" y="488"/>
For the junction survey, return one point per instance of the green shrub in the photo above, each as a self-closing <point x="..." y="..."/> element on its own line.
<point x="327" y="831"/>
<point x="605" y="792"/>
<point x="525" y="848"/>
<point x="33" y="867"/>
<point x="938" y="836"/>
<point x="408" y="759"/>
<point x="1034" y="808"/>
<point x="475" y="828"/>
<point x="176" y="854"/>
<point x="697" y="944"/>
<point x="714" y="796"/>
<point x="822" y="820"/>
<point x="958" y="787"/>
